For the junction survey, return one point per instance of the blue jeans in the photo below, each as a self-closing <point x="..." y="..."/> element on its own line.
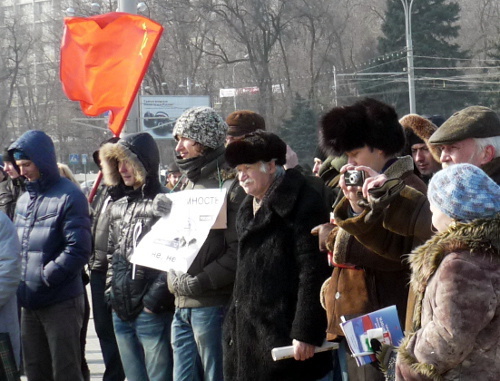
<point x="197" y="342"/>
<point x="144" y="345"/>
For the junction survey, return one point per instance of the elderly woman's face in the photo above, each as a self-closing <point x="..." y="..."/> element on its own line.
<point x="440" y="220"/>
<point x="256" y="178"/>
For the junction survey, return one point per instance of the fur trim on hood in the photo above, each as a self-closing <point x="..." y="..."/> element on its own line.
<point x="481" y="236"/>
<point x="141" y="151"/>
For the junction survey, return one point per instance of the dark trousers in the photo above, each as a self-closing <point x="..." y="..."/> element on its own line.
<point x="51" y="341"/>
<point x="104" y="328"/>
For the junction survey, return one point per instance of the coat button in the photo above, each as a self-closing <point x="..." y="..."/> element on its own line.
<point x="337" y="295"/>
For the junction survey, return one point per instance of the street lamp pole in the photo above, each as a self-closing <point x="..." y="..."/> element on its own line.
<point x="409" y="54"/>
<point x="132" y="124"/>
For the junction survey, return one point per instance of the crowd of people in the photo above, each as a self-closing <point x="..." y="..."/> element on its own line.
<point x="402" y="212"/>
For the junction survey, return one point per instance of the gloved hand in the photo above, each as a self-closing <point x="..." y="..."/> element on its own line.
<point x="161" y="205"/>
<point x="386" y="358"/>
<point x="381" y="197"/>
<point x="180" y="283"/>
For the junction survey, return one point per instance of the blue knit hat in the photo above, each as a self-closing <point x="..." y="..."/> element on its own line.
<point x="464" y="192"/>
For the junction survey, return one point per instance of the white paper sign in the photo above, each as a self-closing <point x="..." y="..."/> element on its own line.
<point x="174" y="241"/>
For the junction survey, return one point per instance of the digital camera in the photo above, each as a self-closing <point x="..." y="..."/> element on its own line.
<point x="354" y="178"/>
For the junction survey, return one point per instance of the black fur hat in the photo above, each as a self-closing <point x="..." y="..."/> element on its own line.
<point x="366" y="122"/>
<point x="256" y="146"/>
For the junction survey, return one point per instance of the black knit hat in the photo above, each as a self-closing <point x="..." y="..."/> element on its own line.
<point x="257" y="146"/>
<point x="366" y="122"/>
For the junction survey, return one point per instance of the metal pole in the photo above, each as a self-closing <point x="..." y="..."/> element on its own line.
<point x="409" y="55"/>
<point x="335" y="84"/>
<point x="234" y="88"/>
<point x="132" y="125"/>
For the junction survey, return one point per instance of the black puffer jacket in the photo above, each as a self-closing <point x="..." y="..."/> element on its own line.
<point x="131" y="217"/>
<point x="10" y="190"/>
<point x="100" y="226"/>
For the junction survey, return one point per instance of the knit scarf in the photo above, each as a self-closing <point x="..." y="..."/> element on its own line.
<point x="193" y="167"/>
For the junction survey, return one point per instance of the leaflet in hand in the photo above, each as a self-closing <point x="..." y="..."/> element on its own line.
<point x="382" y="325"/>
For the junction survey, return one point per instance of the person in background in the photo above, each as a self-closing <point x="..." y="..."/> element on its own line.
<point x="456" y="279"/>
<point x="142" y="305"/>
<point x="66" y="172"/>
<point x="203" y="292"/>
<point x="242" y="122"/>
<point x="173" y="177"/>
<point x="319" y="158"/>
<point x="53" y="227"/>
<point x="12" y="186"/>
<point x="98" y="266"/>
<point x="10" y="274"/>
<point x="418" y="130"/>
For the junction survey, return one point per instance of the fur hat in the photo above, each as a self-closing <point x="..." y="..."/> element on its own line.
<point x="471" y="122"/>
<point x="242" y="122"/>
<point x="366" y="122"/>
<point x="257" y="146"/>
<point x="464" y="192"/>
<point x="203" y="125"/>
<point x="417" y="130"/>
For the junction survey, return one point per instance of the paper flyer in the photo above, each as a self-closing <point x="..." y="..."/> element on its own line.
<point x="382" y="325"/>
<point x="174" y="241"/>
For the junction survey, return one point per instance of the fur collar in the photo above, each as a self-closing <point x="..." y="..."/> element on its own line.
<point x="399" y="167"/>
<point x="479" y="236"/>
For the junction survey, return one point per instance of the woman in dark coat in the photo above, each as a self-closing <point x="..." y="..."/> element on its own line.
<point x="280" y="270"/>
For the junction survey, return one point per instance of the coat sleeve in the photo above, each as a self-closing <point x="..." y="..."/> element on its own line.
<point x="309" y="323"/>
<point x="10" y="260"/>
<point x="221" y="272"/>
<point x="408" y="215"/>
<point x="77" y="240"/>
<point x="463" y="304"/>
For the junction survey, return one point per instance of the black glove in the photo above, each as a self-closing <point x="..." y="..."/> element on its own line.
<point x="180" y="283"/>
<point x="161" y="205"/>
<point x="386" y="359"/>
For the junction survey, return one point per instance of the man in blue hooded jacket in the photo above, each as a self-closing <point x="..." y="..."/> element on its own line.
<point x="53" y="227"/>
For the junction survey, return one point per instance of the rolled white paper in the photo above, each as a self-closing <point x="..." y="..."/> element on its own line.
<point x="282" y="353"/>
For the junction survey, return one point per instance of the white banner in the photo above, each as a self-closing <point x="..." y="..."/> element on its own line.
<point x="174" y="241"/>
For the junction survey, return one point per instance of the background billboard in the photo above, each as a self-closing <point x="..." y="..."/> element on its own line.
<point x="159" y="112"/>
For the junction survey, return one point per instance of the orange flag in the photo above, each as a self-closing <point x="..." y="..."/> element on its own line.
<point x="103" y="61"/>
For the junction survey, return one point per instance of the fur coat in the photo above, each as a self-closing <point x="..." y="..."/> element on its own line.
<point x="456" y="279"/>
<point x="276" y="293"/>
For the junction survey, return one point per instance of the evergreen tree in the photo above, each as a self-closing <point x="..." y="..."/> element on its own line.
<point x="300" y="131"/>
<point x="490" y="96"/>
<point x="434" y="27"/>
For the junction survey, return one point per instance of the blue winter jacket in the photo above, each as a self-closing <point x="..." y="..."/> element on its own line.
<point x="53" y="226"/>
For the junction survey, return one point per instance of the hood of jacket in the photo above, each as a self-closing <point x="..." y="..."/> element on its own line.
<point x="142" y="152"/>
<point x="38" y="146"/>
